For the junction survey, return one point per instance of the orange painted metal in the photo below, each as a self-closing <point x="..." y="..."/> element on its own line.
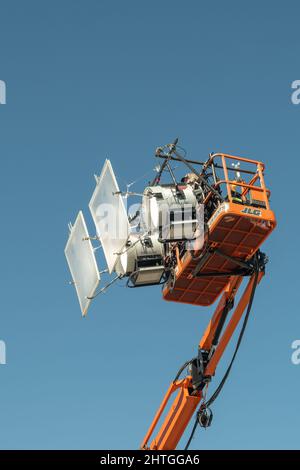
<point x="236" y="234"/>
<point x="177" y="419"/>
<point x="236" y="157"/>
<point x="228" y="295"/>
<point x="187" y="400"/>
<point x="232" y="324"/>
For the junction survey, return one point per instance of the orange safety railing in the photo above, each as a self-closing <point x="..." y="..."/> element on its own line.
<point x="246" y="186"/>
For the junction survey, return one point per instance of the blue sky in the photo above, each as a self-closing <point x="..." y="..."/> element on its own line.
<point x="91" y="79"/>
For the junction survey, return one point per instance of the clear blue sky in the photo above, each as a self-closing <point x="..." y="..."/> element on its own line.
<point x="92" y="79"/>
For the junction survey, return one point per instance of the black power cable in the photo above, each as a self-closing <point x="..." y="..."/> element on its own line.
<point x="192" y="433"/>
<point x="220" y="386"/>
<point x="182" y="368"/>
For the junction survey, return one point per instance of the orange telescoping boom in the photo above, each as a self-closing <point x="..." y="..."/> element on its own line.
<point x="238" y="225"/>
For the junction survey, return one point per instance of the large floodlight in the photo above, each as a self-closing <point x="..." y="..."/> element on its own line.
<point x="82" y="263"/>
<point x="109" y="215"/>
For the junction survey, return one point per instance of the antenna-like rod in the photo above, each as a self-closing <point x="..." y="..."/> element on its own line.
<point x="101" y="291"/>
<point x="167" y="156"/>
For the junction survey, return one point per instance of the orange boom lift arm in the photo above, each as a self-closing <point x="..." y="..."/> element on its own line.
<point x="190" y="389"/>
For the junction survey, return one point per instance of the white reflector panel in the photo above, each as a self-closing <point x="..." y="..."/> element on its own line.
<point x="109" y="215"/>
<point x="82" y="263"/>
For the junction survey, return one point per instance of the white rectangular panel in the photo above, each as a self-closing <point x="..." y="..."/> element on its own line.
<point x="109" y="215"/>
<point x="82" y="263"/>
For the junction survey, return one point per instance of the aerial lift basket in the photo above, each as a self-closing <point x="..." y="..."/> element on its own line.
<point x="234" y="233"/>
